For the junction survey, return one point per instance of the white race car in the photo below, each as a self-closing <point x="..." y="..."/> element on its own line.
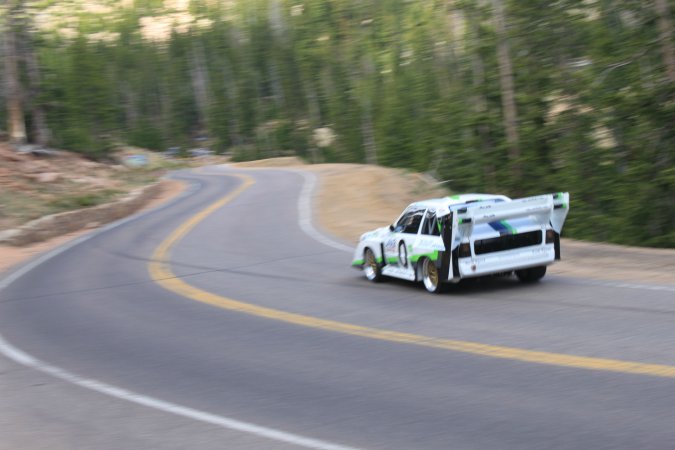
<point x="446" y="239"/>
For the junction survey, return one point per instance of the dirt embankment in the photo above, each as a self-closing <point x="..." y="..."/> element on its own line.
<point x="48" y="197"/>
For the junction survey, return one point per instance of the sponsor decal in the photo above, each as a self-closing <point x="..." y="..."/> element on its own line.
<point x="390" y="244"/>
<point x="503" y="227"/>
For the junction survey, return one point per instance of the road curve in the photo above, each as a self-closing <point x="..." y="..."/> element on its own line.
<point x="95" y="311"/>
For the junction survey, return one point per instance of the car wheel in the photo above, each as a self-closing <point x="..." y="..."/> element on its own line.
<point x="430" y="276"/>
<point x="371" y="268"/>
<point x="532" y="274"/>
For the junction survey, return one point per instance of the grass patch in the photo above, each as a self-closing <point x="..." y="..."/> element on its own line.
<point x="87" y="200"/>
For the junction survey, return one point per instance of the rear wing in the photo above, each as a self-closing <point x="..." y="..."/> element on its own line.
<point x="545" y="209"/>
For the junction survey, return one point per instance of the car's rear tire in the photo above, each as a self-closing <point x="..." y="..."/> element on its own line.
<point x="430" y="276"/>
<point x="532" y="274"/>
<point x="371" y="268"/>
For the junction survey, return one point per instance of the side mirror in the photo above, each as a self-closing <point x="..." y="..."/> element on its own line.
<point x="391" y="227"/>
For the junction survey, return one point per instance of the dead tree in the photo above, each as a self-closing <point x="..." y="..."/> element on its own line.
<point x="510" y="113"/>
<point x="666" y="37"/>
<point x="16" y="127"/>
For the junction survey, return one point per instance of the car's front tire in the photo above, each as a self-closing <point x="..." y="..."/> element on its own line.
<point x="430" y="276"/>
<point x="371" y="268"/>
<point x="532" y="274"/>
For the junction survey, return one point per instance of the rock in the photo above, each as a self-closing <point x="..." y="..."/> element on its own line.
<point x="36" y="150"/>
<point x="28" y="167"/>
<point x="92" y="165"/>
<point x="137" y="160"/>
<point x="93" y="182"/>
<point x="323" y="137"/>
<point x="10" y="155"/>
<point x="48" y="177"/>
<point x="81" y="179"/>
<point x="9" y="236"/>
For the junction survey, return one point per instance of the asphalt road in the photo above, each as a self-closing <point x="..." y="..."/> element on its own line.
<point x="171" y="371"/>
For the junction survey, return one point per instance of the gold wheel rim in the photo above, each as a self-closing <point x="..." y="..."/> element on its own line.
<point x="370" y="265"/>
<point x="430" y="275"/>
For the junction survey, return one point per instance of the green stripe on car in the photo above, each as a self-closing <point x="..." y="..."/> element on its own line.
<point x="432" y="256"/>
<point x="509" y="227"/>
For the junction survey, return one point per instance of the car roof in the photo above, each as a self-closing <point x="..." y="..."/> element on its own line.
<point x="455" y="201"/>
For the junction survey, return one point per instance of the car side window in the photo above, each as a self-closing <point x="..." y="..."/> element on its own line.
<point x="400" y="223"/>
<point x="410" y="222"/>
<point x="430" y="226"/>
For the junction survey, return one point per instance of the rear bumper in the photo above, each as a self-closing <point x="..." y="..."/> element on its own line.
<point x="506" y="261"/>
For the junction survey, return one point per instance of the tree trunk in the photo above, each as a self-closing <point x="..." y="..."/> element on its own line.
<point x="666" y="37"/>
<point x="200" y="84"/>
<point x="15" y="120"/>
<point x="232" y="93"/>
<point x="509" y="112"/>
<point x="368" y="132"/>
<point x="480" y="103"/>
<point x="367" y="129"/>
<point x="314" y="118"/>
<point x="130" y="112"/>
<point x="41" y="133"/>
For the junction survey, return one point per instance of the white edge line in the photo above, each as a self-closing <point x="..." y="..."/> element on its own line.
<point x="620" y="285"/>
<point x="304" y="205"/>
<point x="305" y="214"/>
<point x="27" y="360"/>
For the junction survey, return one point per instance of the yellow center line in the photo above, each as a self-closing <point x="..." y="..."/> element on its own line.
<point x="162" y="274"/>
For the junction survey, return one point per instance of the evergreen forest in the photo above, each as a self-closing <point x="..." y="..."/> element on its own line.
<point x="518" y="97"/>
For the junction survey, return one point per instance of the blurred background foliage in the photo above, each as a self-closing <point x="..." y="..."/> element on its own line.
<point x="512" y="96"/>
